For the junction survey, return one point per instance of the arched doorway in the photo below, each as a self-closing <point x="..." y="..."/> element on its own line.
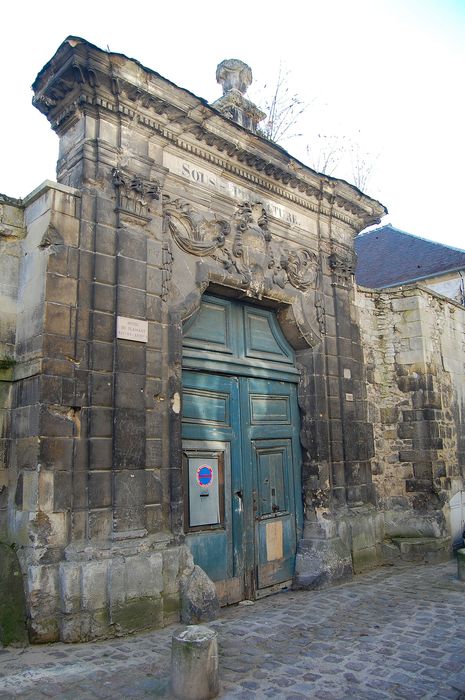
<point x="241" y="449"/>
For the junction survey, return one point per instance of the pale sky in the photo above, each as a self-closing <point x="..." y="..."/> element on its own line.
<point x="390" y="72"/>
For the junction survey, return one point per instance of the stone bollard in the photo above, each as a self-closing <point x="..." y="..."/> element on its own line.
<point x="461" y="564"/>
<point x="194" y="663"/>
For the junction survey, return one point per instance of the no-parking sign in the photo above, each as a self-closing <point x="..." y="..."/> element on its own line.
<point x="204" y="475"/>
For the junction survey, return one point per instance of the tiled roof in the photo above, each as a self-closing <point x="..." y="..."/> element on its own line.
<point x="388" y="256"/>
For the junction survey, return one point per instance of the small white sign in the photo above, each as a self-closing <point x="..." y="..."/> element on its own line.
<point x="132" y="329"/>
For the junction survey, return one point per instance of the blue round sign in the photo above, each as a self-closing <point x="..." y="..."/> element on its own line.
<point x="204" y="475"/>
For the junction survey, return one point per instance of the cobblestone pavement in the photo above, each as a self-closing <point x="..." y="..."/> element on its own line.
<point x="391" y="633"/>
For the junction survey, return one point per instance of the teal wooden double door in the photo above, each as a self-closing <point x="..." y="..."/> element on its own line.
<point x="242" y="484"/>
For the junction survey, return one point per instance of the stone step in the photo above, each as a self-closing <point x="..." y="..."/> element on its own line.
<point x="427" y="549"/>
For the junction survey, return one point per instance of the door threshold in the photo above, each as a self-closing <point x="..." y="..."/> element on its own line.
<point x="270" y="590"/>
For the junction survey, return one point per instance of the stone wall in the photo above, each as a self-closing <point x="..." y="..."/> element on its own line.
<point x="414" y="342"/>
<point x="12" y="231"/>
<point x="159" y="199"/>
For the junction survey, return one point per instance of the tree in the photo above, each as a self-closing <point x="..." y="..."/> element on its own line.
<point x="283" y="108"/>
<point x="337" y="154"/>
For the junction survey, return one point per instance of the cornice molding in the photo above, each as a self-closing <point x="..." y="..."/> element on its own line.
<point x="83" y="78"/>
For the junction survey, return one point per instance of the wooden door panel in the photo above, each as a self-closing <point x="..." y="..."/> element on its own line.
<point x="239" y="391"/>
<point x="271" y="460"/>
<point x="275" y="551"/>
<point x="274" y="511"/>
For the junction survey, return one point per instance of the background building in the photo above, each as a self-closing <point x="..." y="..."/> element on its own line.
<point x="389" y="257"/>
<point x="185" y="378"/>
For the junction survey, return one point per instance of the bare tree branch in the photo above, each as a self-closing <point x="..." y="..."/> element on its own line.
<point x="283" y="109"/>
<point x="330" y="153"/>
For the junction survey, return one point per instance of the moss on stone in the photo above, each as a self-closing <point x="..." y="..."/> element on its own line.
<point x="138" y="614"/>
<point x="13" y="628"/>
<point x="171" y="603"/>
<point x="7" y="364"/>
<point x="365" y="559"/>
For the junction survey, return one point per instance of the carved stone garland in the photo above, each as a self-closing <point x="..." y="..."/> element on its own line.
<point x="249" y="253"/>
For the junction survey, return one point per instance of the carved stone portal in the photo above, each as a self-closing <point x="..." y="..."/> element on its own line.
<point x="260" y="262"/>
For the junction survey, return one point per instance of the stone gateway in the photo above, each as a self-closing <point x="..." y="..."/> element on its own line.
<point x="183" y="297"/>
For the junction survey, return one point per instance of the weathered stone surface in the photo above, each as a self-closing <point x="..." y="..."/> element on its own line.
<point x="91" y="426"/>
<point x="194" y="664"/>
<point x="319" y="562"/>
<point x="13" y="611"/>
<point x="199" y="601"/>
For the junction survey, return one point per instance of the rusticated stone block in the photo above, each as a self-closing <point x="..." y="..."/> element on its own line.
<point x="138" y="614"/>
<point x="101" y="453"/>
<point x="154" y="453"/>
<point x="154" y="281"/>
<point x="80" y="492"/>
<point x="57" y="346"/>
<point x="156" y="519"/>
<point x="57" y="319"/>
<point x="100" y="489"/>
<point x="50" y="390"/>
<point x="105" y="241"/>
<point x="100" y="524"/>
<point x="130" y="357"/>
<point x="131" y="303"/>
<point x="43" y="597"/>
<point x="27" y="453"/>
<point x="129" y="489"/>
<point x="102" y="356"/>
<point x="132" y="244"/>
<point x="130" y="391"/>
<point x="154" y="311"/>
<point x="62" y="290"/>
<point x="85" y="293"/>
<point x="70" y="586"/>
<point x="104" y="269"/>
<point x="57" y="421"/>
<point x="101" y="388"/>
<point x="57" y="452"/>
<point x="100" y="422"/>
<point x="104" y="297"/>
<point x="127" y="519"/>
<point x="153" y="487"/>
<point x="155" y="332"/>
<point x="129" y="438"/>
<point x="62" y="494"/>
<point x="94" y="585"/>
<point x="103" y="326"/>
<point x="131" y="273"/>
<point x="154" y="253"/>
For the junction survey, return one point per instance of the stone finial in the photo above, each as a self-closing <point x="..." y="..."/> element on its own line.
<point x="233" y="74"/>
<point x="235" y="77"/>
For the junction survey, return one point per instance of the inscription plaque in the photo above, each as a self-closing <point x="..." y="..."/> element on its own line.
<point x="132" y="329"/>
